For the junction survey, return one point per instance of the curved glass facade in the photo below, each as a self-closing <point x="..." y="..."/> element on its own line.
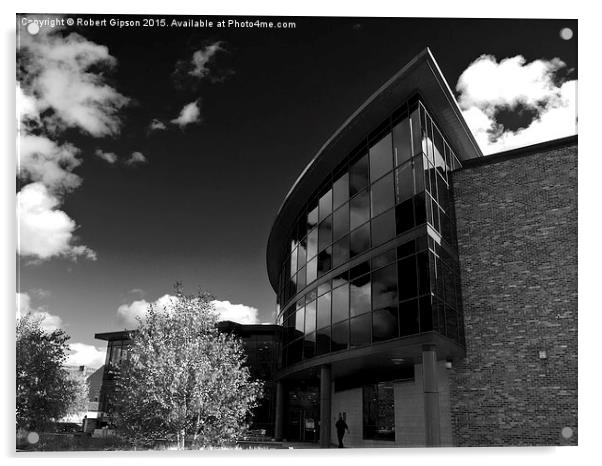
<point x="372" y="255"/>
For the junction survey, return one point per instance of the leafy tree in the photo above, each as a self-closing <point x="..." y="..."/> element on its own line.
<point x="45" y="390"/>
<point x="183" y="380"/>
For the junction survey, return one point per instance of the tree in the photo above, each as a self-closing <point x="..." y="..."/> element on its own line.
<point x="183" y="379"/>
<point x="45" y="390"/>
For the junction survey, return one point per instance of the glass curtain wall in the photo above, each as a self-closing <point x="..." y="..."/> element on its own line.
<point x="336" y="293"/>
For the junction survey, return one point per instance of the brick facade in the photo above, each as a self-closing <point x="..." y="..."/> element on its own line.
<point x="517" y="243"/>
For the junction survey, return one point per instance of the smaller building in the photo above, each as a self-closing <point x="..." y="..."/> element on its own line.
<point x="262" y="345"/>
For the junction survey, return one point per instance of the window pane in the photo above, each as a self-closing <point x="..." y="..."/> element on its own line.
<point x="302" y="253"/>
<point x="340" y="336"/>
<point x="324" y="261"/>
<point x="323" y="288"/>
<point x="383" y="195"/>
<point x="360" y="330"/>
<point x="312" y="243"/>
<point x="423" y="273"/>
<point x="408" y="317"/>
<point x="312" y="270"/>
<point x="340" y="252"/>
<point x="301" y="279"/>
<point x="416" y="132"/>
<point x="419" y="174"/>
<point x="340" y="303"/>
<point x="384" y="324"/>
<point x="324" y="310"/>
<point x="359" y="209"/>
<point x="340" y="191"/>
<point x="312" y="217"/>
<point x="404" y="216"/>
<point x="341" y="222"/>
<point x="404" y="183"/>
<point x="408" y="286"/>
<point x="359" y="296"/>
<point x="325" y="205"/>
<point x="384" y="287"/>
<point x="381" y="157"/>
<point x="325" y="233"/>
<point x="310" y="317"/>
<point x="383" y="228"/>
<point x="402" y="141"/>
<point x="294" y="262"/>
<point x="295" y="351"/>
<point x="309" y="346"/>
<point x="360" y="240"/>
<point x="426" y="314"/>
<point x="379" y="411"/>
<point x="299" y="320"/>
<point x="323" y="341"/>
<point x="358" y="176"/>
<point x="420" y="209"/>
<point x="341" y="279"/>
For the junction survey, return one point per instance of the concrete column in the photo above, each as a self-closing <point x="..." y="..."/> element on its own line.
<point x="279" y="417"/>
<point x="325" y="403"/>
<point x="431" y="396"/>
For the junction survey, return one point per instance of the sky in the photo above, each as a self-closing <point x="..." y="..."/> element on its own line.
<point x="155" y="155"/>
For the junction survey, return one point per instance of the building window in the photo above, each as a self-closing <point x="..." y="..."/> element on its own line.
<point x="379" y="411"/>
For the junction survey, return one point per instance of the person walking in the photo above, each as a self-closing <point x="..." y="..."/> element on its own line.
<point x="341" y="427"/>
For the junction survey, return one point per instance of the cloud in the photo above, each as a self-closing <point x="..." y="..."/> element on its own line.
<point x="157" y="125"/>
<point x="537" y="94"/>
<point x="45" y="231"/>
<point x="201" y="58"/>
<point x="127" y="313"/>
<point x="236" y="312"/>
<point x="225" y="310"/>
<point x="61" y="85"/>
<point x="41" y="159"/>
<point x="109" y="157"/>
<point x="190" y="113"/>
<point x="136" y="158"/>
<point x="65" y="76"/>
<point x="48" y="322"/>
<point x="82" y="354"/>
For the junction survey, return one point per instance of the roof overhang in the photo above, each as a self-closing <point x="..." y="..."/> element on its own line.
<point x="420" y="76"/>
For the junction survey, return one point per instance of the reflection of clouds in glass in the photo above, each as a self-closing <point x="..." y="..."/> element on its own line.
<point x="312" y="243"/>
<point x="383" y="322"/>
<point x="359" y="209"/>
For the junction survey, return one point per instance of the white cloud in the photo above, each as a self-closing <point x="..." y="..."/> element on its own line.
<point x="487" y="87"/>
<point x="62" y="73"/>
<point x="225" y="310"/>
<point x="82" y="354"/>
<point x="61" y="85"/>
<point x="41" y="159"/>
<point x="45" y="231"/>
<point x="236" y="312"/>
<point x="157" y="125"/>
<point x="189" y="114"/>
<point x="48" y="322"/>
<point x="127" y="313"/>
<point x="136" y="158"/>
<point x="201" y="58"/>
<point x="109" y="157"/>
<point x="27" y="107"/>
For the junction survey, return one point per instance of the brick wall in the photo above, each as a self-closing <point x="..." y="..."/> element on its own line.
<point x="517" y="241"/>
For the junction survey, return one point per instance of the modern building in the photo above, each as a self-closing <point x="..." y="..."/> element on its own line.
<point x="427" y="293"/>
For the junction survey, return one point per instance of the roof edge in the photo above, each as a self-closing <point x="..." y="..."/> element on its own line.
<point x="520" y="152"/>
